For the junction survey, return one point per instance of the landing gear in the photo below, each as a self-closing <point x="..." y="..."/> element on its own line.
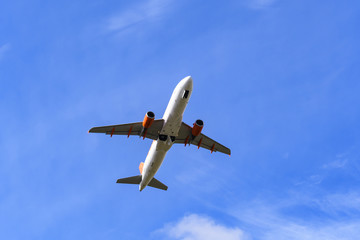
<point x="163" y="137"/>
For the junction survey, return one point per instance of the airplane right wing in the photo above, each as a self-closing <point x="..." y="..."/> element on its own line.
<point x="202" y="140"/>
<point x="131" y="129"/>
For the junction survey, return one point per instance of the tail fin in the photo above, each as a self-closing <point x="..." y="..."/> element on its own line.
<point x="141" y="166"/>
<point x="130" y="180"/>
<point x="157" y="184"/>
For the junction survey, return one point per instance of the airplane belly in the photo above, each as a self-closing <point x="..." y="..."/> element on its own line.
<point x="154" y="160"/>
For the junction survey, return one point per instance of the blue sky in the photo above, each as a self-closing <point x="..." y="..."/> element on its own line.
<point x="276" y="81"/>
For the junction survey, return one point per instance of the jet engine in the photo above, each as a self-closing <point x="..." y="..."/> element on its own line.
<point x="198" y="126"/>
<point x="148" y="120"/>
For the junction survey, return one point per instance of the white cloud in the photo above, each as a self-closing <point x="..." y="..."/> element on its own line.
<point x="195" y="227"/>
<point x="151" y="9"/>
<point x="3" y="49"/>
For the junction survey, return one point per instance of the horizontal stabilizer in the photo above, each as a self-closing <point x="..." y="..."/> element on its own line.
<point x="130" y="180"/>
<point x="157" y="184"/>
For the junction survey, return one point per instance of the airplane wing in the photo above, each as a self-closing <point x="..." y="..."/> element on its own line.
<point x="131" y="129"/>
<point x="202" y="140"/>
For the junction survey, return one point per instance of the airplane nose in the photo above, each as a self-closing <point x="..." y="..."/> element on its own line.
<point x="185" y="83"/>
<point x="188" y="82"/>
<point x="188" y="79"/>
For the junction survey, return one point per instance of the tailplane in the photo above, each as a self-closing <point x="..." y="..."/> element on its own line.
<point x="130" y="180"/>
<point x="157" y="184"/>
<point x="137" y="180"/>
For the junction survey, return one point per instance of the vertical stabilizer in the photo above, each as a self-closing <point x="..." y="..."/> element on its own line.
<point x="141" y="166"/>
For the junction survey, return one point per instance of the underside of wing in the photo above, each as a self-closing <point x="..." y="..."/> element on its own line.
<point x="131" y="129"/>
<point x="185" y="137"/>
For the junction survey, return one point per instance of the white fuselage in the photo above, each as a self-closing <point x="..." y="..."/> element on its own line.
<point x="172" y="121"/>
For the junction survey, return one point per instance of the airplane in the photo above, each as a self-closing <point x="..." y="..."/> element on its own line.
<point x="164" y="133"/>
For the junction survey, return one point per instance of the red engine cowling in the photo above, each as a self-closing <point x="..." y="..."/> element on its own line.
<point x="198" y="126"/>
<point x="148" y="119"/>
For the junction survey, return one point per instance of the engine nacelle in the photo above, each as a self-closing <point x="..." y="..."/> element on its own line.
<point x="198" y="126"/>
<point x="148" y="119"/>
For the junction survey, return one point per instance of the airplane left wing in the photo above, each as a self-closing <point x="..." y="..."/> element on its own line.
<point x="131" y="129"/>
<point x="184" y="137"/>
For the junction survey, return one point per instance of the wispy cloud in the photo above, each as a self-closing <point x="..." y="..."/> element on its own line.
<point x="195" y="227"/>
<point x="335" y="231"/>
<point x="274" y="221"/>
<point x="340" y="204"/>
<point x="3" y="49"/>
<point x="340" y="162"/>
<point x="149" y="10"/>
